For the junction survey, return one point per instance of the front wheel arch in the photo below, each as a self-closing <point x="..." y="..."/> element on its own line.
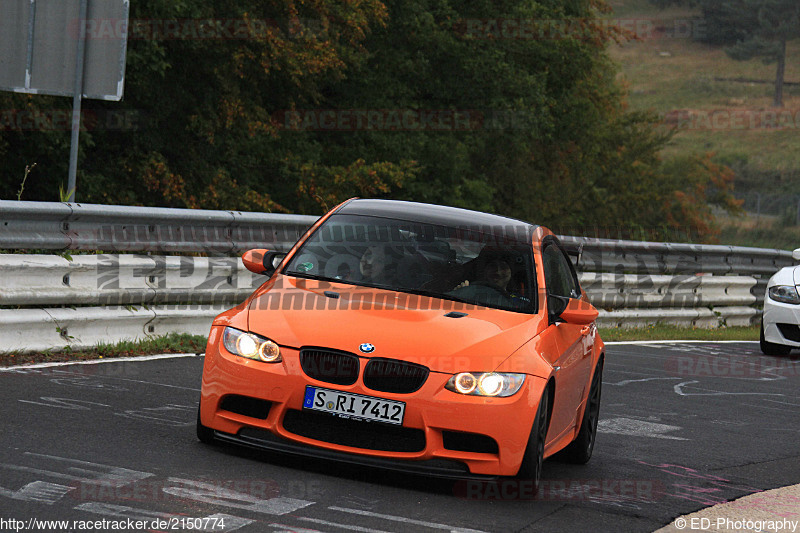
<point x="531" y="466"/>
<point x="579" y="451"/>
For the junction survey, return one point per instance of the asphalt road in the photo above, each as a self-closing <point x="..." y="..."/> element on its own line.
<point x="683" y="426"/>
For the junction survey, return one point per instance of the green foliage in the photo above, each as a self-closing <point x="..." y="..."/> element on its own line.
<point x="64" y="194"/>
<point x="765" y="26"/>
<point x="666" y="332"/>
<point x="764" y="233"/>
<point x="170" y="343"/>
<point x="771" y="23"/>
<point x="667" y="3"/>
<point x="28" y="169"/>
<point x="534" y="128"/>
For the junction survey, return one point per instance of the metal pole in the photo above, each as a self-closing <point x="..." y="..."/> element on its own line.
<point x="758" y="207"/>
<point x="797" y="218"/>
<point x="76" y="104"/>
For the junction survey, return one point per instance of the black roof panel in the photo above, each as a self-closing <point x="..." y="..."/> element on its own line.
<point x="435" y="214"/>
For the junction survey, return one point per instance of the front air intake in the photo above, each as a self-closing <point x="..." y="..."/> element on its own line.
<point x="391" y="375"/>
<point x="339" y="368"/>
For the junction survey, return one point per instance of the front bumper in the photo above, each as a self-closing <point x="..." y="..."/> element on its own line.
<point x="781" y="323"/>
<point x="443" y="433"/>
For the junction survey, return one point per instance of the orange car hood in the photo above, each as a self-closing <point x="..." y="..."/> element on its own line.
<point x="295" y="312"/>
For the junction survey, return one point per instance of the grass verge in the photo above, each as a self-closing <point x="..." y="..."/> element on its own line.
<point x="172" y="343"/>
<point x="663" y="332"/>
<point x="181" y="343"/>
<point x="759" y="232"/>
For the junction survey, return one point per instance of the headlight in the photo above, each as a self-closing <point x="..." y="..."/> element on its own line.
<point x="486" y="384"/>
<point x="784" y="293"/>
<point x="251" y="346"/>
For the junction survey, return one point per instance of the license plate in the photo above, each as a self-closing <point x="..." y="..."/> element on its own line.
<point x="349" y="405"/>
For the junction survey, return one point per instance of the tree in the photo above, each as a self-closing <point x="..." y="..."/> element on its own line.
<point x="751" y="29"/>
<point x="509" y="106"/>
<point x="203" y="81"/>
<point x="768" y="25"/>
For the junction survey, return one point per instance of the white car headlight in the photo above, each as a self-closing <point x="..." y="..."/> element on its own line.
<point x="250" y="345"/>
<point x="784" y="293"/>
<point x="486" y="383"/>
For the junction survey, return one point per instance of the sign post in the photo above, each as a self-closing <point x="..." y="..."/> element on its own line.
<point x="46" y="47"/>
<point x="72" y="181"/>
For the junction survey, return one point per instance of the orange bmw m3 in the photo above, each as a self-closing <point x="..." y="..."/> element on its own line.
<point x="409" y="336"/>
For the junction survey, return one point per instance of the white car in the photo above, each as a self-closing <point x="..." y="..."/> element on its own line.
<point x="780" y="323"/>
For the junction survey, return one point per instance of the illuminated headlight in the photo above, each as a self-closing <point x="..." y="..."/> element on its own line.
<point x="784" y="293"/>
<point x="250" y="346"/>
<point x="486" y="384"/>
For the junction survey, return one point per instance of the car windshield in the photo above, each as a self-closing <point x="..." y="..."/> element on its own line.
<point x="490" y="267"/>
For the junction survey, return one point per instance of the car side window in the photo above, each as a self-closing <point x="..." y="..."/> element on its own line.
<point x="558" y="274"/>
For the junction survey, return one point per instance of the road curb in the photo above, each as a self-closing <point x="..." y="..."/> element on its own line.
<point x="776" y="510"/>
<point x="137" y="358"/>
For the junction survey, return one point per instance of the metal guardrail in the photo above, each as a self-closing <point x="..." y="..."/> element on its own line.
<point x="62" y="226"/>
<point x="600" y="255"/>
<point x="27" y="330"/>
<point x="108" y="298"/>
<point x="126" y="296"/>
<point x="118" y="280"/>
<point x="631" y="291"/>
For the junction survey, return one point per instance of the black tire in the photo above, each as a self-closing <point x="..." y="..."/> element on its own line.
<point x="579" y="451"/>
<point x="204" y="434"/>
<point x="531" y="467"/>
<point x="771" y="348"/>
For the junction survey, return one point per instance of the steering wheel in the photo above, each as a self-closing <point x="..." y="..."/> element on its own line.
<point x="489" y="286"/>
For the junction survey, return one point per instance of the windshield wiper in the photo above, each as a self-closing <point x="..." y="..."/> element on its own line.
<point x="441" y="295"/>
<point x="303" y="275"/>
<point x="343" y="281"/>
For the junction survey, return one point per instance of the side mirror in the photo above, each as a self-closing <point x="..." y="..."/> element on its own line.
<point x="796" y="255"/>
<point x="556" y="305"/>
<point x="262" y="261"/>
<point x="579" y="312"/>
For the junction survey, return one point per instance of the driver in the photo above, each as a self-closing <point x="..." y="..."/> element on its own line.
<point x="492" y="283"/>
<point x="496" y="273"/>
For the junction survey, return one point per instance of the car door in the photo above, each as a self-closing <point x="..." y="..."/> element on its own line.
<point x="573" y="341"/>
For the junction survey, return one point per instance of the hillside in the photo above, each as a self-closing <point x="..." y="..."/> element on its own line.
<point x="692" y="86"/>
